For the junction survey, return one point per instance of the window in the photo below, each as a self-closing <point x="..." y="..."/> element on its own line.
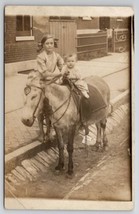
<point x="23" y="25"/>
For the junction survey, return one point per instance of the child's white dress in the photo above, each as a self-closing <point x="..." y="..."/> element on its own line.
<point x="74" y="75"/>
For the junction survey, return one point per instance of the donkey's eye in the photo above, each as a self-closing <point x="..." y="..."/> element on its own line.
<point x="33" y="97"/>
<point x="27" y="90"/>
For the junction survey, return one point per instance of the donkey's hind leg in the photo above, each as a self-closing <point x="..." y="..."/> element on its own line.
<point x="105" y="140"/>
<point x="71" y="135"/>
<point x="60" y="141"/>
<point x="98" y="138"/>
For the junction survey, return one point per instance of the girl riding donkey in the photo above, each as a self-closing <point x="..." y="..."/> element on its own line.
<point x="49" y="64"/>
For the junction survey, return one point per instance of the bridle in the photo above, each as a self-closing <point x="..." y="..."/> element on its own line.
<point x="27" y="90"/>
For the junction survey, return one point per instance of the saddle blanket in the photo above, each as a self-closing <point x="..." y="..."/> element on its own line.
<point x="88" y="106"/>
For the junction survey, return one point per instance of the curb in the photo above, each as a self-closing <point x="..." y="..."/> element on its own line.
<point x="14" y="158"/>
<point x="119" y="100"/>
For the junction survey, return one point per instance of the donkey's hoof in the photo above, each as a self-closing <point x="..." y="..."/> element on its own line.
<point x="96" y="148"/>
<point x="69" y="175"/>
<point x="59" y="168"/>
<point x="106" y="148"/>
<point x="39" y="138"/>
<point x="57" y="172"/>
<point x="47" y="138"/>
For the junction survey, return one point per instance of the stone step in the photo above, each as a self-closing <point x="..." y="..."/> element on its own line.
<point x="12" y="179"/>
<point x="93" y="129"/>
<point x="28" y="166"/>
<point x="120" y="114"/>
<point x="37" y="157"/>
<point x="22" y="170"/>
<point x="45" y="157"/>
<point x="55" y="150"/>
<point x="39" y="167"/>
<point x="113" y="122"/>
<point x="18" y="175"/>
<point x="10" y="187"/>
<point x="51" y="154"/>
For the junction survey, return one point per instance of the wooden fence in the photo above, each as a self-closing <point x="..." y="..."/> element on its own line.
<point x="120" y="40"/>
<point x="90" y="46"/>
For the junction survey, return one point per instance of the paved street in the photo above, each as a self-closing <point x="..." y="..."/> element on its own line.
<point x="105" y="65"/>
<point x="17" y="135"/>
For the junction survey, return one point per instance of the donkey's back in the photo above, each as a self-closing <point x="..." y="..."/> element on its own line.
<point x="101" y="86"/>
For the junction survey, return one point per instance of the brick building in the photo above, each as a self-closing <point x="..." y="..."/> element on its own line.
<point x="20" y="44"/>
<point x="23" y="33"/>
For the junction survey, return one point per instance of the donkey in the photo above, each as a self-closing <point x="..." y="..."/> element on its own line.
<point x="65" y="116"/>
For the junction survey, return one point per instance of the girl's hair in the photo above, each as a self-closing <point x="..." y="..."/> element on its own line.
<point x="70" y="55"/>
<point x="45" y="37"/>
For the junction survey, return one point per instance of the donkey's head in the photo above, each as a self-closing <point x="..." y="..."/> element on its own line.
<point x="34" y="96"/>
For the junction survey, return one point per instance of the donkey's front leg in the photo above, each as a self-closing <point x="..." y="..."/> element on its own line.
<point x="71" y="135"/>
<point x="59" y="137"/>
<point x="41" y="136"/>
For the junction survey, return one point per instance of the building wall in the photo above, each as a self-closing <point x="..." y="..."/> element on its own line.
<point x="87" y="24"/>
<point x="120" y="22"/>
<point x="41" y="26"/>
<point x="16" y="51"/>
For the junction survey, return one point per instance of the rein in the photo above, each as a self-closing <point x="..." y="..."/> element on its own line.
<point x="69" y="99"/>
<point x="53" y="80"/>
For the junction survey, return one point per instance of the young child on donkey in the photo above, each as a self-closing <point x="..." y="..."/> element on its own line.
<point x="49" y="64"/>
<point x="71" y="71"/>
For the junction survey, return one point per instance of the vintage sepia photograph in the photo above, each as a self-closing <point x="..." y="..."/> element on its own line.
<point x="69" y="142"/>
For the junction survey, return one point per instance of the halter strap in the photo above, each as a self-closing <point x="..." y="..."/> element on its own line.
<point x="37" y="105"/>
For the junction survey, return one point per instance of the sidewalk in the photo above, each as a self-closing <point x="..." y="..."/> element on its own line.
<point x="104" y="65"/>
<point x="18" y="135"/>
